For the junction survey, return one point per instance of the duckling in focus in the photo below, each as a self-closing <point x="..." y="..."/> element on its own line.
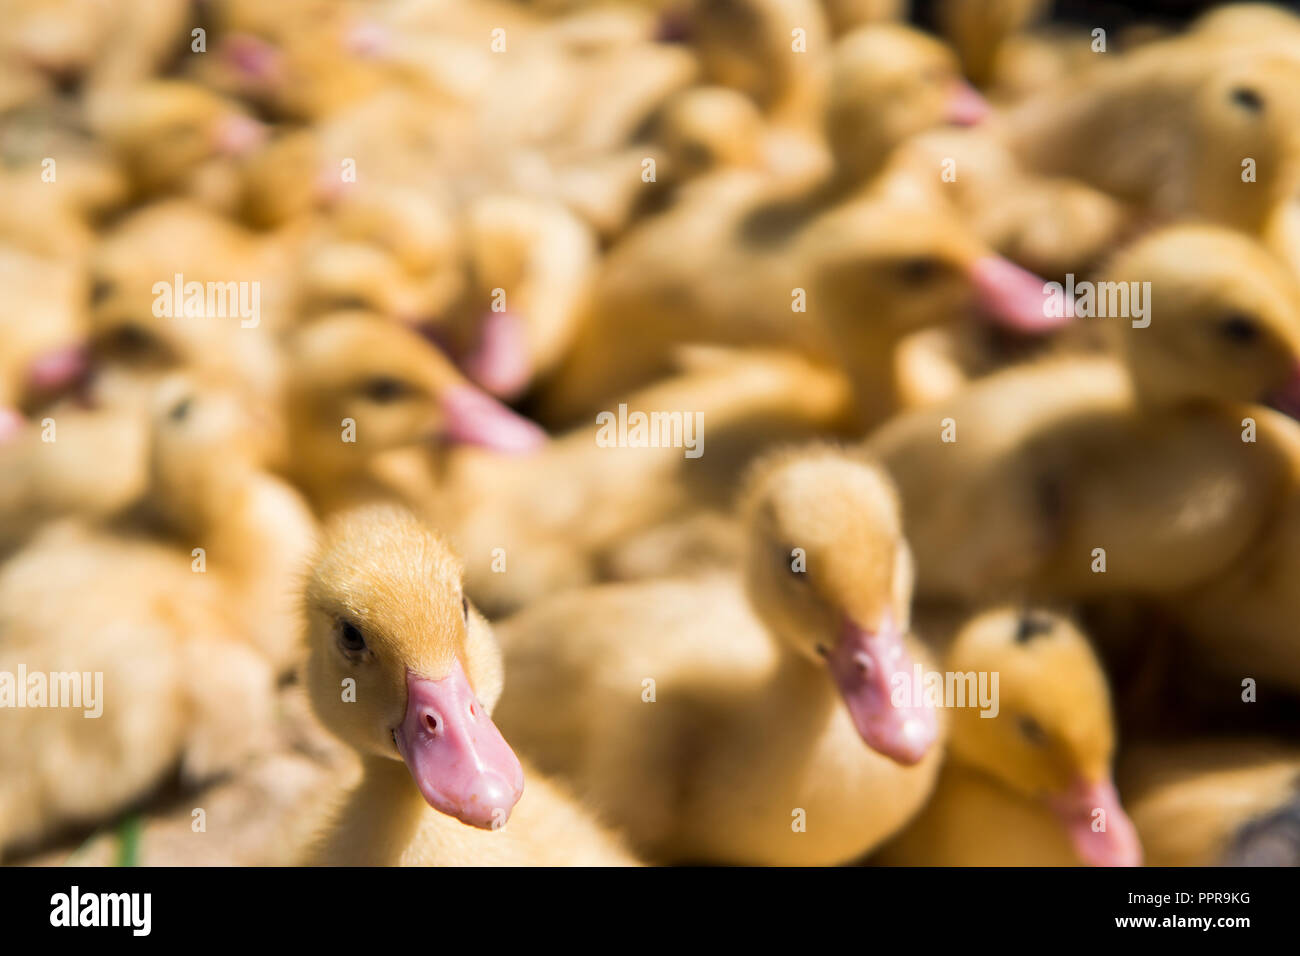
<point x="1231" y="802"/>
<point x="1027" y="784"/>
<point x="709" y="716"/>
<point x="181" y="681"/>
<point x="386" y="614"/>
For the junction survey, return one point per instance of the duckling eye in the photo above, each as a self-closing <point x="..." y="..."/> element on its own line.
<point x="918" y="270"/>
<point x="1239" y="330"/>
<point x="1032" y="731"/>
<point x="100" y="290"/>
<point x="464" y="607"/>
<point x="385" y="390"/>
<point x="181" y="410"/>
<point x="1247" y="99"/>
<point x="350" y="637"/>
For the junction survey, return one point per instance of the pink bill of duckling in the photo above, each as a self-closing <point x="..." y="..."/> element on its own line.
<point x="457" y="756"/>
<point x="500" y="362"/>
<point x="965" y="106"/>
<point x="1099" y="829"/>
<point x="863" y="664"/>
<point x="1015" y="298"/>
<point x="475" y="418"/>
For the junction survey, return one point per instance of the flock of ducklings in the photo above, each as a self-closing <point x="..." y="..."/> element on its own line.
<point x="473" y="226"/>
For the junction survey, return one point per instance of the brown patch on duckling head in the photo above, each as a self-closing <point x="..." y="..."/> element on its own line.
<point x="1224" y="319"/>
<point x="888" y="83"/>
<point x="400" y="666"/>
<point x="1051" y="736"/>
<point x="395" y="388"/>
<point x="829" y="571"/>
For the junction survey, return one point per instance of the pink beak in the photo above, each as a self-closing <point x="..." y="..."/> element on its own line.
<point x="256" y="61"/>
<point x="460" y="761"/>
<point x="1014" y="297"/>
<point x="1102" y="833"/>
<point x="500" y="360"/>
<point x="1287" y="398"/>
<point x="57" y="370"/>
<point x="11" y="423"/>
<point x="237" y="136"/>
<point x="863" y="664"/>
<point x="474" y="418"/>
<point x="965" y="106"/>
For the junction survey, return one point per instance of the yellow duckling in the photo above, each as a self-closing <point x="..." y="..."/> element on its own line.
<point x="730" y="267"/>
<point x="742" y="719"/>
<point x="387" y="617"/>
<point x="1139" y="454"/>
<point x="1029" y="782"/>
<point x="1228" y="802"/>
<point x="162" y="639"/>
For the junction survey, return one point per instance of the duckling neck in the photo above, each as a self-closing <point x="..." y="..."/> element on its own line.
<point x="380" y="818"/>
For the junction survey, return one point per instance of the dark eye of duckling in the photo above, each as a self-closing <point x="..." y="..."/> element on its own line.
<point x="350" y="638"/>
<point x="384" y="389"/>
<point x="1247" y="99"/>
<point x="181" y="410"/>
<point x="1239" y="330"/>
<point x="1032" y="731"/>
<point x="130" y="340"/>
<point x="464" y="607"/>
<point x="1032" y="625"/>
<point x="919" y="270"/>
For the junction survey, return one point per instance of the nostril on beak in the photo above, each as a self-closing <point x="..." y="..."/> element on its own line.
<point x="864" y="664"/>
<point x="432" y="722"/>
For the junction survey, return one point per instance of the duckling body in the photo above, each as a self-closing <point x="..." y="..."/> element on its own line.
<point x="675" y="708"/>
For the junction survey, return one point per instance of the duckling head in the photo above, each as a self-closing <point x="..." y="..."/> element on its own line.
<point x="891" y="265"/>
<point x="1249" y="107"/>
<point x="1224" y="319"/>
<point x="830" y="573"/>
<point x="1051" y="737"/>
<point x="888" y="83"/>
<point x="394" y="388"/>
<point x="401" y="667"/>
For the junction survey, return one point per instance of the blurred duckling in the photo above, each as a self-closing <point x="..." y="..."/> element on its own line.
<point x="1169" y="128"/>
<point x="729" y="267"/>
<point x="1231" y="802"/>
<point x="665" y="701"/>
<point x="1139" y="452"/>
<point x="175" y="678"/>
<point x="1027" y="784"/>
<point x="386" y="612"/>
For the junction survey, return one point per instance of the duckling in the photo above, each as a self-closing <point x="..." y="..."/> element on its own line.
<point x="729" y="268"/>
<point x="1139" y="453"/>
<point x="530" y="264"/>
<point x="889" y="82"/>
<point x="1215" y="104"/>
<point x="713" y="718"/>
<point x="386" y="614"/>
<point x="42" y="351"/>
<point x="360" y="386"/>
<point x="980" y="31"/>
<point x="174" y="679"/>
<point x="1230" y="802"/>
<point x="1027" y="784"/>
